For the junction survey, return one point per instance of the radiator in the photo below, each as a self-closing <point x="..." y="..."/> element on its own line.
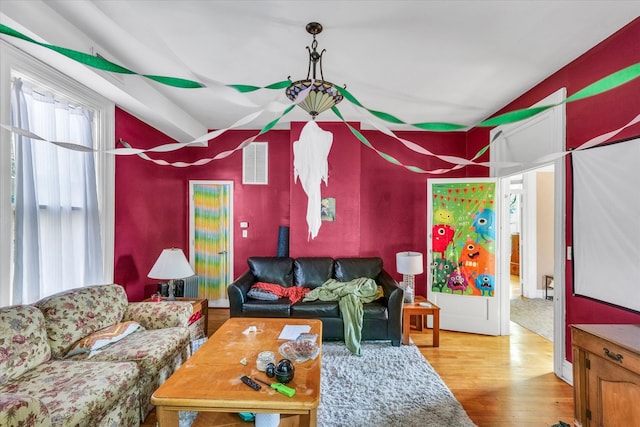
<point x="191" y="287"/>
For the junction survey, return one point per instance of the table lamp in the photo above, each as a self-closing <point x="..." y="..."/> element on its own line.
<point x="171" y="265"/>
<point x="409" y="264"/>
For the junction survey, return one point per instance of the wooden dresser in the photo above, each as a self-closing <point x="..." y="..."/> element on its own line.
<point x="606" y="375"/>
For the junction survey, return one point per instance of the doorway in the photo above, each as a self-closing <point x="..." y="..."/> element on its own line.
<point x="211" y="238"/>
<point x="518" y="148"/>
<point x="532" y="236"/>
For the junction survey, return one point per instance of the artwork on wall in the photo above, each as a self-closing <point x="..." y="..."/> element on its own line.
<point x="328" y="209"/>
<point x="463" y="232"/>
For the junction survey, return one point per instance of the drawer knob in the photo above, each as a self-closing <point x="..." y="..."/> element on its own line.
<point x="612" y="355"/>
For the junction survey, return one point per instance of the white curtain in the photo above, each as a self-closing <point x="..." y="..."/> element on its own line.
<point x="57" y="230"/>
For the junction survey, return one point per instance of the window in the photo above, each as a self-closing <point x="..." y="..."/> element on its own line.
<point x="60" y="201"/>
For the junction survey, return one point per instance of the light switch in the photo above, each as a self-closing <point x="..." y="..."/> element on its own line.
<point x="245" y="233"/>
<point x="244" y="224"/>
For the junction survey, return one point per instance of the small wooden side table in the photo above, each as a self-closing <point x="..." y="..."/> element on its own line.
<point x="410" y="309"/>
<point x="199" y="304"/>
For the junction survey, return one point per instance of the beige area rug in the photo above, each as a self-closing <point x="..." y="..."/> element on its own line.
<point x="385" y="387"/>
<point x="535" y="314"/>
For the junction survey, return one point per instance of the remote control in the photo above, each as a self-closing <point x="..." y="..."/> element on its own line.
<point x="251" y="383"/>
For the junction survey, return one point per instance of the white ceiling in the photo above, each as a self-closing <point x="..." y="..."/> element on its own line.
<point x="447" y="61"/>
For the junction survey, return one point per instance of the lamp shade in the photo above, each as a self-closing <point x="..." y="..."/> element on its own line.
<point x="322" y="95"/>
<point x="409" y="263"/>
<point x="171" y="264"/>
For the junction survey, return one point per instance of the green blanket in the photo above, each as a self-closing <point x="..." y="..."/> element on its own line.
<point x="350" y="296"/>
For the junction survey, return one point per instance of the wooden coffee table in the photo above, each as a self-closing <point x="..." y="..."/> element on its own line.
<point x="209" y="381"/>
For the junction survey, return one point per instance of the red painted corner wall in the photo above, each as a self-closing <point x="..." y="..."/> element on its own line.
<point x="586" y="119"/>
<point x="152" y="207"/>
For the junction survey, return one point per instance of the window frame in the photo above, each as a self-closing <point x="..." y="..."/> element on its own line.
<point x="16" y="61"/>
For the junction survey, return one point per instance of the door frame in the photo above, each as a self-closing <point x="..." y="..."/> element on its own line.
<point x="230" y="247"/>
<point x="556" y="119"/>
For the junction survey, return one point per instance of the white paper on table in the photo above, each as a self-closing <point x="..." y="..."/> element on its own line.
<point x="291" y="332"/>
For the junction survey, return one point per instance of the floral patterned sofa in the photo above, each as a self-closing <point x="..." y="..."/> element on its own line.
<point x="52" y="372"/>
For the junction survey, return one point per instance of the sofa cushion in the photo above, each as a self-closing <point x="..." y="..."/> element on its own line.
<point x="312" y="272"/>
<point x="158" y="315"/>
<point x="76" y="393"/>
<point x="315" y="309"/>
<point x="150" y="349"/>
<point x="20" y="410"/>
<point x="102" y="338"/>
<point x="261" y="294"/>
<point x="23" y="341"/>
<point x="256" y="308"/>
<point x="375" y="310"/>
<point x="347" y="269"/>
<point x="272" y="270"/>
<point x="74" y="314"/>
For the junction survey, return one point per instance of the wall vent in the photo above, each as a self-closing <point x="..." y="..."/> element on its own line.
<point x="255" y="163"/>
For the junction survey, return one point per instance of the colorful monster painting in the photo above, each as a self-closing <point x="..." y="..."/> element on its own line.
<point x="440" y="271"/>
<point x="442" y="235"/>
<point x="463" y="234"/>
<point x="483" y="225"/>
<point x="476" y="260"/>
<point x="443" y="216"/>
<point x="457" y="282"/>
<point x="485" y="284"/>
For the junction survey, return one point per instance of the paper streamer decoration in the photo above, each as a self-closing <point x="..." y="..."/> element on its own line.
<point x="606" y="83"/>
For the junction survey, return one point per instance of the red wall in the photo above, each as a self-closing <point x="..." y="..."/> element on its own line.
<point x="152" y="207"/>
<point x="380" y="207"/>
<point x="586" y="119"/>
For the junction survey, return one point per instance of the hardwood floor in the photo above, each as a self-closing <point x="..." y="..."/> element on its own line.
<point x="500" y="381"/>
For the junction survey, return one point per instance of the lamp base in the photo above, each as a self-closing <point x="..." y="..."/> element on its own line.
<point x="172" y="291"/>
<point x="409" y="288"/>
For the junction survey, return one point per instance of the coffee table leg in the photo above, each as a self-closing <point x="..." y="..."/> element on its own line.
<point x="309" y="419"/>
<point x="436" y="328"/>
<point x="406" y="319"/>
<point x="167" y="418"/>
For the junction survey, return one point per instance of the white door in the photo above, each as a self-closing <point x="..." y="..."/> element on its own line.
<point x="463" y="238"/>
<point x="211" y="236"/>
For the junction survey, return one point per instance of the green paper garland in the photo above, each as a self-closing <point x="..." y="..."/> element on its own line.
<point x="607" y="83"/>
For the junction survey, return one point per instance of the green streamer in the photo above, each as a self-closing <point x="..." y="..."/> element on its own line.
<point x="100" y="63"/>
<point x="416" y="169"/>
<point x="607" y="83"/>
<point x="174" y="81"/>
<point x="337" y="112"/>
<point x="366" y="142"/>
<point x="513" y="116"/>
<point x="249" y="88"/>
<point x="347" y="95"/>
<point x="274" y="122"/>
<point x="439" y="126"/>
<point x="387" y="117"/>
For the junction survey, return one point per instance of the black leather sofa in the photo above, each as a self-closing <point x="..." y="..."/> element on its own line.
<point x="382" y="317"/>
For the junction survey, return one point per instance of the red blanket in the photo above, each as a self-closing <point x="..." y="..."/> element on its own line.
<point x="294" y="293"/>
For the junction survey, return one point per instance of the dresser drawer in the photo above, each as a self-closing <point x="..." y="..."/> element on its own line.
<point x="606" y="349"/>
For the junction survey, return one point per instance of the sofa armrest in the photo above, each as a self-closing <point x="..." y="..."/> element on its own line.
<point x="395" y="298"/>
<point x="159" y="315"/>
<point x="237" y="292"/>
<point x="21" y="410"/>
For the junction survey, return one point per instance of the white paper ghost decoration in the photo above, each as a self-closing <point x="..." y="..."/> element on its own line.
<point x="310" y="153"/>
